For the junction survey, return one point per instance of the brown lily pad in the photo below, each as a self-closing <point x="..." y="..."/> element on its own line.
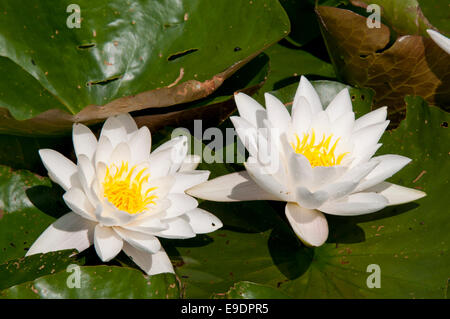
<point x="412" y="65"/>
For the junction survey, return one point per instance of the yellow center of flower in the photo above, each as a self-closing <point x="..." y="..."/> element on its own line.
<point x="124" y="188"/>
<point x="318" y="154"/>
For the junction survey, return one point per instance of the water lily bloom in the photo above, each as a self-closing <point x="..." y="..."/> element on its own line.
<point x="440" y="40"/>
<point x="318" y="161"/>
<point x="122" y="196"/>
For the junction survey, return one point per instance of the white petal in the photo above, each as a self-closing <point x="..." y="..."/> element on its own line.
<point x="160" y="163"/>
<point x="308" y="199"/>
<point x="127" y="121"/>
<point x="396" y="194"/>
<point x="277" y="113"/>
<point x="109" y="215"/>
<point x="321" y="124"/>
<point x="190" y="163"/>
<point x="180" y="204"/>
<point x="247" y="133"/>
<point x="340" y="105"/>
<point x="84" y="141"/>
<point x="202" y="222"/>
<point x="388" y="166"/>
<point x="179" y="153"/>
<point x="115" y="131"/>
<point x="77" y="201"/>
<point x="301" y="115"/>
<point x="140" y="145"/>
<point x="120" y="154"/>
<point x="249" y="109"/>
<point x="69" y="232"/>
<point x="440" y="40"/>
<point x="306" y="89"/>
<point x="374" y="117"/>
<point x="178" y="229"/>
<point x="230" y="188"/>
<point x="86" y="172"/>
<point x="60" y="169"/>
<point x="367" y="136"/>
<point x="342" y="127"/>
<point x="107" y="242"/>
<point x="267" y="181"/>
<point x="104" y="150"/>
<point x="186" y="180"/>
<point x="355" y="204"/>
<point x="152" y="264"/>
<point x="138" y="240"/>
<point x="300" y="170"/>
<point x="323" y="175"/>
<point x="310" y="225"/>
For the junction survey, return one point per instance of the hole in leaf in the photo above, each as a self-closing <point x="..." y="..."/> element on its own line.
<point x="353" y="97"/>
<point x="444" y="124"/>
<point x="105" y="81"/>
<point x="32" y="62"/>
<point x="86" y="46"/>
<point x="236" y="49"/>
<point x="362" y="97"/>
<point x="181" y="54"/>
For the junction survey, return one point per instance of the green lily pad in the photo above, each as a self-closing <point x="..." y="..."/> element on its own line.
<point x="250" y="290"/>
<point x="23" y="196"/>
<point x="256" y="243"/>
<point x="437" y="13"/>
<point x="18" y="271"/>
<point x="122" y="59"/>
<point x="97" y="282"/>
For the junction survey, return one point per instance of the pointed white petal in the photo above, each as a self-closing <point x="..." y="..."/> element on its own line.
<point x="186" y="180"/>
<point x="340" y="105"/>
<point x="266" y="181"/>
<point x="69" y="232"/>
<point x="179" y="204"/>
<point x="308" y="224"/>
<point x="114" y="130"/>
<point x="396" y="194"/>
<point x="160" y="163"/>
<point x="277" y="113"/>
<point x="152" y="264"/>
<point x="104" y="150"/>
<point x="367" y="136"/>
<point x="127" y="121"/>
<point x="230" y="188"/>
<point x="300" y="170"/>
<point x="190" y="163"/>
<point x="138" y="240"/>
<point x="440" y="40"/>
<point x="342" y="127"/>
<point x="202" y="222"/>
<point x="120" y="154"/>
<point x="77" y="201"/>
<point x="355" y="204"/>
<point x="306" y="89"/>
<point x="140" y="145"/>
<point x="389" y="164"/>
<point x="308" y="199"/>
<point x="107" y="242"/>
<point x="84" y="141"/>
<point x="179" y="153"/>
<point x="247" y="134"/>
<point x="249" y="109"/>
<point x="60" y="169"/>
<point x="178" y="229"/>
<point x="301" y="115"/>
<point x="374" y="117"/>
<point x="86" y="172"/>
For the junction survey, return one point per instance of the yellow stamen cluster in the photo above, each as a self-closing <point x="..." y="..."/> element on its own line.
<point x="320" y="154"/>
<point x="124" y="189"/>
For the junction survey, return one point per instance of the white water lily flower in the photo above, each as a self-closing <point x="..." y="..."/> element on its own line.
<point x="123" y="197"/>
<point x="317" y="161"/>
<point x="440" y="40"/>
